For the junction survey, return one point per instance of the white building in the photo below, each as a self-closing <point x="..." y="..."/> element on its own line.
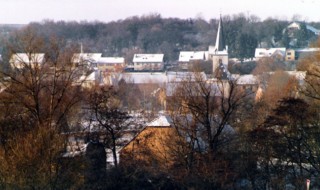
<point x="269" y="52"/>
<point x="189" y="56"/>
<point x="89" y="59"/>
<point x="113" y="64"/>
<point x="297" y="26"/>
<point x="21" y="60"/>
<point x="148" y="62"/>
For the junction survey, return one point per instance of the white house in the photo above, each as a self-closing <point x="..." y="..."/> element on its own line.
<point x="188" y="56"/>
<point x="304" y="52"/>
<point x="89" y="59"/>
<point x="111" y="64"/>
<point x="269" y="52"/>
<point x="148" y="62"/>
<point x="21" y="60"/>
<point x="297" y="26"/>
<point x="88" y="80"/>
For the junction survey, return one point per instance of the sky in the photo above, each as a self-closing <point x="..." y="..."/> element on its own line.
<point x="26" y="11"/>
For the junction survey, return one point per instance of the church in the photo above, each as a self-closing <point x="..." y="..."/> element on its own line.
<point x="219" y="54"/>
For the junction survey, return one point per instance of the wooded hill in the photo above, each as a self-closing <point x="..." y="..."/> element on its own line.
<point x="154" y="34"/>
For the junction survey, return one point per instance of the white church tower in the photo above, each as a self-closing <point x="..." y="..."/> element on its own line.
<point x="219" y="53"/>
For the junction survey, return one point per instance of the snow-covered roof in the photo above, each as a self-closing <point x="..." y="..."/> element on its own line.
<point x="186" y="56"/>
<point x="185" y="76"/>
<point x="89" y="57"/>
<point x="307" y="50"/>
<point x="148" y="58"/>
<point x="279" y="52"/>
<point x="313" y="29"/>
<point x="157" y="77"/>
<point x="110" y="60"/>
<point x="296" y="25"/>
<point x="213" y="51"/>
<point x="93" y="76"/>
<point x="143" y="78"/>
<point x="299" y="75"/>
<point x="161" y="121"/>
<point x="216" y="86"/>
<point x="246" y="79"/>
<point x="27" y="58"/>
<point x="268" y="52"/>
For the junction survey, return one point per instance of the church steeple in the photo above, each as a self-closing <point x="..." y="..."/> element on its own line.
<point x="219" y="53"/>
<point x="220" y="43"/>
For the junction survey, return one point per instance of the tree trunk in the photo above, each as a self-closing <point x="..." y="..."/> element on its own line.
<point x="114" y="150"/>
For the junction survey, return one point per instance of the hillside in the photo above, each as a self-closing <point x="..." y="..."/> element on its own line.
<point x="154" y="34"/>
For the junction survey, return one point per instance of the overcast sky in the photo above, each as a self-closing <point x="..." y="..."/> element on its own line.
<point x="25" y="11"/>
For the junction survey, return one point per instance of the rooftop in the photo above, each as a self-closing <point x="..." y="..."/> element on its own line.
<point x="186" y="56"/>
<point x="148" y="58"/>
<point x="27" y="58"/>
<point x="161" y="121"/>
<point x="103" y="60"/>
<point x="90" y="57"/>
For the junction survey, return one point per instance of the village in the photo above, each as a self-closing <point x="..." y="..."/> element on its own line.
<point x="177" y="119"/>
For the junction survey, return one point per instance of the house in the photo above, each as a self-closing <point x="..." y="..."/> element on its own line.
<point x="189" y="56"/>
<point x="88" y="59"/>
<point x="250" y="84"/>
<point x="247" y="82"/>
<point x="313" y="30"/>
<point x="164" y="143"/>
<point x="219" y="53"/>
<point x="270" y="52"/>
<point x="152" y="146"/>
<point x="305" y="52"/>
<point x="148" y="62"/>
<point x="297" y="26"/>
<point x="110" y="64"/>
<point x="290" y="55"/>
<point x="21" y="60"/>
<point x="152" y="85"/>
<point x="300" y="76"/>
<point x="88" y="80"/>
<point x="295" y="54"/>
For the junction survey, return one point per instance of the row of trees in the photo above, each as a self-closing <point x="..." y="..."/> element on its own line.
<point x="153" y="34"/>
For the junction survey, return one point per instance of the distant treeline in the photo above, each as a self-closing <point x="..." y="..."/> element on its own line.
<point x="154" y="34"/>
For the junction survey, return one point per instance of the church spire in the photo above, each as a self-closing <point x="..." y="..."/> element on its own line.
<point x="220" y="43"/>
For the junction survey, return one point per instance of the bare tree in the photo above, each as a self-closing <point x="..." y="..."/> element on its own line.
<point x="107" y="116"/>
<point x="40" y="98"/>
<point x="205" y="113"/>
<point x="311" y="65"/>
<point x="211" y="104"/>
<point x="268" y="64"/>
